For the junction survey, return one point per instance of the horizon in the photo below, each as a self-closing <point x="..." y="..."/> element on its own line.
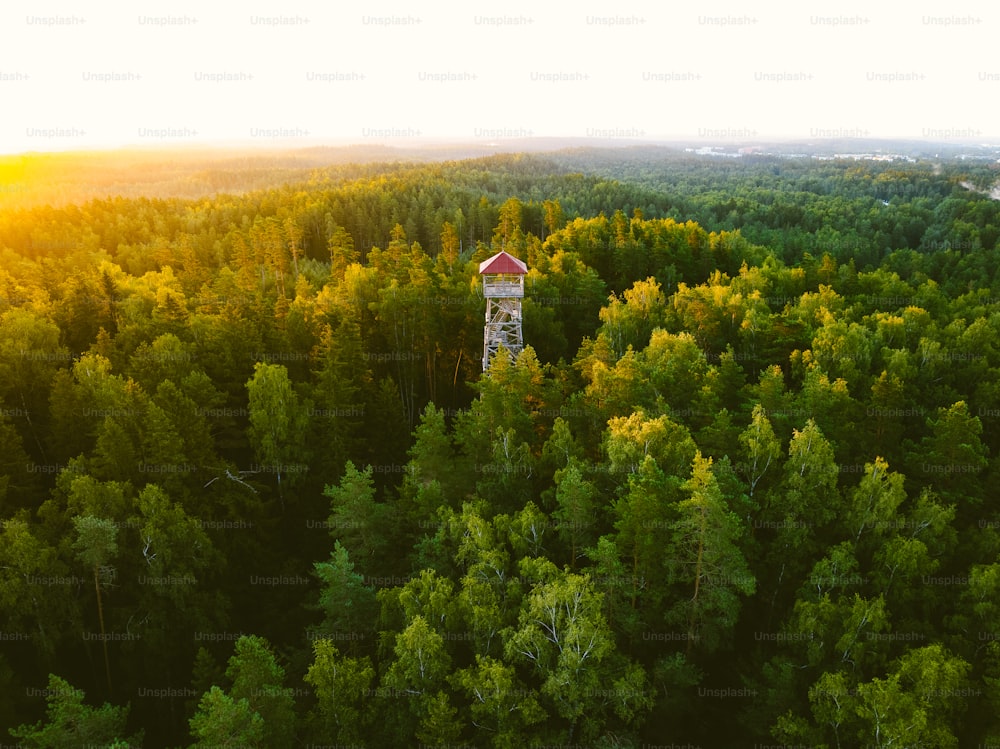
<point x="514" y="145"/>
<point x="197" y="171"/>
<point x="510" y="143"/>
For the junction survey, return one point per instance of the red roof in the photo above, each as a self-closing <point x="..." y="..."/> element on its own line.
<point x="503" y="263"/>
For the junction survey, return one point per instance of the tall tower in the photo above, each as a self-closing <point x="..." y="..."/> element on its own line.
<point x="503" y="288"/>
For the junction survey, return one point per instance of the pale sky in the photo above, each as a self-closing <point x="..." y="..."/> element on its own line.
<point x="76" y="75"/>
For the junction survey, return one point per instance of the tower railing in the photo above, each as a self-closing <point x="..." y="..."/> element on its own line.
<point x="497" y="288"/>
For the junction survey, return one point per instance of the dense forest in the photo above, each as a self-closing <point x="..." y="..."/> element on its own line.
<point x="738" y="489"/>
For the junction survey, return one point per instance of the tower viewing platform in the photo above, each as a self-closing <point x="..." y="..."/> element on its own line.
<point x="503" y="276"/>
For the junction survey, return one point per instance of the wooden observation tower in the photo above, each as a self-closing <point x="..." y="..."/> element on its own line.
<point x="503" y="288"/>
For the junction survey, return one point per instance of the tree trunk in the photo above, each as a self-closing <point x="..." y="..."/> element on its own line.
<point x="100" y="617"/>
<point x="697" y="581"/>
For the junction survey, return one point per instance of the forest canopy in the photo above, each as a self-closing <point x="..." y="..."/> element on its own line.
<point x="737" y="489"/>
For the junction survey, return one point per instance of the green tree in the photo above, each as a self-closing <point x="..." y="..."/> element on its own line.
<point x="17" y="486"/>
<point x="450" y="242"/>
<point x="433" y="474"/>
<point x="952" y="457"/>
<point x="642" y="518"/>
<point x="206" y="671"/>
<point x="174" y="543"/>
<point x="422" y="661"/>
<point x="490" y="592"/>
<point x="629" y="439"/>
<point x="509" y="227"/>
<point x="832" y="703"/>
<point x="705" y="558"/>
<point x="760" y="448"/>
<point x="563" y="637"/>
<point x="509" y="398"/>
<point x="428" y="595"/>
<point x="676" y="367"/>
<point x="502" y="706"/>
<point x="277" y="422"/>
<point x="294" y="235"/>
<point x="905" y="550"/>
<point x="887" y="402"/>
<point x="843" y="349"/>
<point x="828" y="404"/>
<point x="439" y="725"/>
<point x="356" y="519"/>
<point x="875" y="501"/>
<point x="348" y="605"/>
<point x="771" y="392"/>
<point x="419" y="673"/>
<point x="176" y="564"/>
<point x="341" y="686"/>
<point x="30" y="355"/>
<point x="222" y="721"/>
<point x="96" y="545"/>
<point x="576" y="511"/>
<point x="629" y="321"/>
<point x="833" y="631"/>
<point x="342" y="382"/>
<point x="340" y="244"/>
<point x="506" y="477"/>
<point x="617" y="391"/>
<point x="799" y="506"/>
<point x="69" y="722"/>
<point x="259" y="680"/>
<point x="915" y="704"/>
<point x="44" y="611"/>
